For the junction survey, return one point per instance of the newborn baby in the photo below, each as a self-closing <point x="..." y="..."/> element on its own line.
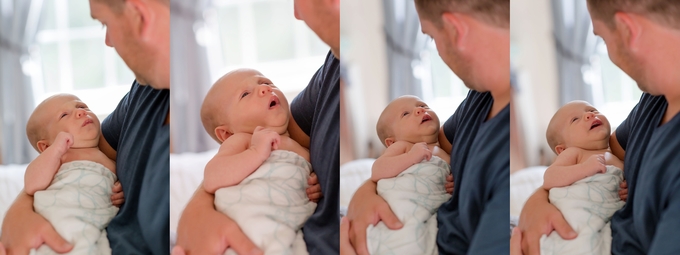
<point x="71" y="180"/>
<point x="411" y="176"/>
<point x="584" y="179"/>
<point x="259" y="174"/>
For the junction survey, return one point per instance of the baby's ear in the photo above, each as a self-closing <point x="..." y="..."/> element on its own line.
<point x="42" y="145"/>
<point x="560" y="148"/>
<point x="222" y="133"/>
<point x="389" y="141"/>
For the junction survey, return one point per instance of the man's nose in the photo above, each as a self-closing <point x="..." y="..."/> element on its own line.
<point x="265" y="90"/>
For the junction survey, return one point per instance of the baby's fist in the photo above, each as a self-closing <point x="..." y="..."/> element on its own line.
<point x="419" y="151"/>
<point x="63" y="142"/>
<point x="596" y="163"/>
<point x="265" y="140"/>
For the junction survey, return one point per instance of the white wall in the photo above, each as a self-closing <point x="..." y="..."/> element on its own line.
<point x="534" y="60"/>
<point x="363" y="52"/>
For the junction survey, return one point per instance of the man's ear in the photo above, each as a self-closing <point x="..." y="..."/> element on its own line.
<point x="628" y="28"/>
<point x="389" y="141"/>
<point x="42" y="145"/>
<point x="142" y="16"/>
<point x="222" y="133"/>
<point x="560" y="148"/>
<point x="456" y="28"/>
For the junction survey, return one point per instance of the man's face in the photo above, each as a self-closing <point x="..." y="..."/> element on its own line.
<point x="447" y="50"/>
<point x="66" y="113"/>
<point x="252" y="100"/>
<point x="120" y="36"/>
<point x="582" y="126"/>
<point x="411" y="119"/>
<point x="322" y="17"/>
<point x="618" y="53"/>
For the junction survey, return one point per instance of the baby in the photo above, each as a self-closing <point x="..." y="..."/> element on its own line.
<point x="71" y="180"/>
<point x="411" y="176"/>
<point x="259" y="174"/>
<point x="584" y="179"/>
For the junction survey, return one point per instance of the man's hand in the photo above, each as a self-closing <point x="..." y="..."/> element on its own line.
<point x="368" y="208"/>
<point x="419" y="151"/>
<point x="449" y="184"/>
<point x="63" y="142"/>
<point x="539" y="217"/>
<point x="203" y="230"/>
<point x="23" y="230"/>
<point x="345" y="246"/>
<point x="596" y="163"/>
<point x="623" y="190"/>
<point x="117" y="198"/>
<point x="314" y="189"/>
<point x="264" y="141"/>
<point x="516" y="242"/>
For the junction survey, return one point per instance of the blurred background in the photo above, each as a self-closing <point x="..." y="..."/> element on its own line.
<point x="212" y="37"/>
<point x="49" y="47"/>
<point x="555" y="58"/>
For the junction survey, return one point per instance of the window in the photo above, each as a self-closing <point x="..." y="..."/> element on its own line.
<point x="614" y="92"/>
<point x="442" y="89"/>
<point x="71" y="57"/>
<point x="264" y="35"/>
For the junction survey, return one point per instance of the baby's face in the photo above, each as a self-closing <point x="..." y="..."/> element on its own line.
<point x="66" y="113"/>
<point x="412" y="120"/>
<point x="252" y="100"/>
<point x="581" y="125"/>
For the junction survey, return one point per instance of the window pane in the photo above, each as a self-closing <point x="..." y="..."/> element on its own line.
<point x="318" y="46"/>
<point x="229" y="35"/>
<point x="79" y="14"/>
<point x="274" y="30"/>
<point x="123" y="73"/>
<point x="49" y="56"/>
<point x="48" y="20"/>
<point x="87" y="57"/>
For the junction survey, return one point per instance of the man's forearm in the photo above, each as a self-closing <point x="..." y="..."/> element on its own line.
<point x="201" y="200"/>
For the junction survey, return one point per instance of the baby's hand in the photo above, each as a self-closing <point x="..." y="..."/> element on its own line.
<point x="623" y="190"/>
<point x="596" y="163"/>
<point x="314" y="189"/>
<point x="265" y="141"/>
<point x="117" y="198"/>
<point x="419" y="151"/>
<point x="63" y="142"/>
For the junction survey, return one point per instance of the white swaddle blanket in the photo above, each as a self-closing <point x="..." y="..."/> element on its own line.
<point x="414" y="196"/>
<point x="588" y="206"/>
<point x="271" y="205"/>
<point x="78" y="205"/>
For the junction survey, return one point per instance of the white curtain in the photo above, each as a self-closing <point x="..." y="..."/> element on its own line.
<point x="18" y="25"/>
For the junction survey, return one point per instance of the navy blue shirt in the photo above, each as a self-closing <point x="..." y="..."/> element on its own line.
<point x="137" y="132"/>
<point x="475" y="220"/>
<point x="649" y="222"/>
<point x="317" y="111"/>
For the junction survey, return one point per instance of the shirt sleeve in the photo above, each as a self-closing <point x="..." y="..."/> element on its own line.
<point x="113" y="124"/>
<point x="623" y="130"/>
<point x="450" y="125"/>
<point x="303" y="106"/>
<point x="492" y="237"/>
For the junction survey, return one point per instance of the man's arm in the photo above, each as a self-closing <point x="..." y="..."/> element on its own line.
<point x="106" y="148"/>
<point x="444" y="142"/>
<point x="615" y="147"/>
<point x="296" y="132"/>
<point x="200" y="217"/>
<point x="540" y="217"/>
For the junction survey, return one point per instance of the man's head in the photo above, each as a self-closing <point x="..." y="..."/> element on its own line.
<point x="62" y="113"/>
<point x="472" y="37"/>
<point x="578" y="124"/>
<point x="407" y="118"/>
<point x="139" y="30"/>
<point x="240" y="101"/>
<point x="641" y="38"/>
<point x="323" y="17"/>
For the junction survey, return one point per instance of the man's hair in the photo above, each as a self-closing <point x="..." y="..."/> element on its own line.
<point x="666" y="12"/>
<point x="496" y="12"/>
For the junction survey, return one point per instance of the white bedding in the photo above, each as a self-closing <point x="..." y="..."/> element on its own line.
<point x="523" y="183"/>
<point x="11" y="182"/>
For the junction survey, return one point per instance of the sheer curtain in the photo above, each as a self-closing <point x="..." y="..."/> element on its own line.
<point x="18" y="25"/>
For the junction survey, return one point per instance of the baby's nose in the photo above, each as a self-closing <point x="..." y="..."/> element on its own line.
<point x="80" y="113"/>
<point x="264" y="90"/>
<point x="589" y="115"/>
<point x="419" y="111"/>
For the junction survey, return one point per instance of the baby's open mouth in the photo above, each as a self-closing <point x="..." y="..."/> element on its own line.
<point x="273" y="102"/>
<point x="595" y="124"/>
<point x="426" y="118"/>
<point x="87" y="121"/>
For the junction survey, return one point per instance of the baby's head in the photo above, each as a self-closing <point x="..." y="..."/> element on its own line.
<point x="62" y="113"/>
<point x="578" y="124"/>
<point x="240" y="101"/>
<point x="407" y="118"/>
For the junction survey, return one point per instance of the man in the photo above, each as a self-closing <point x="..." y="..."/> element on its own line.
<point x="136" y="135"/>
<point x="642" y="39"/>
<point x="473" y="39"/>
<point x="314" y="124"/>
